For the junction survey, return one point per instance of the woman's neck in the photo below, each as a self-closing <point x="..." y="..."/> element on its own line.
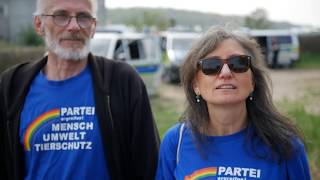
<point x="225" y="120"/>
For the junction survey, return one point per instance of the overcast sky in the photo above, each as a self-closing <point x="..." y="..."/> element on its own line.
<point x="295" y="11"/>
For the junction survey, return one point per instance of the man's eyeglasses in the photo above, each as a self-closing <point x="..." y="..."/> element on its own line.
<point x="213" y="65"/>
<point x="84" y="21"/>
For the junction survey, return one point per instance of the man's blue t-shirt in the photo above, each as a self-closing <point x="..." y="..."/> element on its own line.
<point x="60" y="132"/>
<point x="226" y="158"/>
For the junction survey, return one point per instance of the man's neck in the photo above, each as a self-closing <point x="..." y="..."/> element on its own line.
<point x="60" y="69"/>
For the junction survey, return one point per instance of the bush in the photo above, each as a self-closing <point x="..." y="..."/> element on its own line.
<point x="310" y="43"/>
<point x="11" y="56"/>
<point x="28" y="37"/>
<point x="308" y="61"/>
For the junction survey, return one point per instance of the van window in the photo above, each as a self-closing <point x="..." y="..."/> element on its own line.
<point x="163" y="44"/>
<point x="284" y="39"/>
<point x="3" y="10"/>
<point x="262" y="41"/>
<point x="119" y="52"/>
<point x="136" y="49"/>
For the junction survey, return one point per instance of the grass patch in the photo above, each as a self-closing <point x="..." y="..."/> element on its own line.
<point x="308" y="61"/>
<point x="166" y="113"/>
<point x="6" y="46"/>
<point x="309" y="125"/>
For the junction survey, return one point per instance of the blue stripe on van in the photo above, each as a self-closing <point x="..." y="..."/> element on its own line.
<point x="289" y="49"/>
<point x="147" y="68"/>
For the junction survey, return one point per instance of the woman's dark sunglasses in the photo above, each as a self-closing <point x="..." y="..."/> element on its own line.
<point x="213" y="65"/>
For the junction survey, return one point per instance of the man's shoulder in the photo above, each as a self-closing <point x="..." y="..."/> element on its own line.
<point x="14" y="68"/>
<point x="18" y="76"/>
<point x="23" y="68"/>
<point x="113" y="74"/>
<point x="114" y="65"/>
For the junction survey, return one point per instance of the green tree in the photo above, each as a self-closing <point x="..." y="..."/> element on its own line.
<point x="135" y="22"/>
<point x="150" y="19"/>
<point x="258" y="19"/>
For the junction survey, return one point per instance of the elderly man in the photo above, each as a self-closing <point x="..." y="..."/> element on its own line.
<point x="73" y="115"/>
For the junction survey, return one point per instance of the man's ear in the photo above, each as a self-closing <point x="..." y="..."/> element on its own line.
<point x="38" y="25"/>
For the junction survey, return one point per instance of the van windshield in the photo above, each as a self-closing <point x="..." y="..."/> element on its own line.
<point x="182" y="44"/>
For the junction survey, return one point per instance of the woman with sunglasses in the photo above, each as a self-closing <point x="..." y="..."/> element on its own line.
<point x="230" y="129"/>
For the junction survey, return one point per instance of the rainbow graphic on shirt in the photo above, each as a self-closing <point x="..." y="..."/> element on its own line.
<point x="202" y="173"/>
<point x="40" y="120"/>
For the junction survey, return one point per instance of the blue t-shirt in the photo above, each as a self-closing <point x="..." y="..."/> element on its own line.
<point x="226" y="158"/>
<point x="60" y="132"/>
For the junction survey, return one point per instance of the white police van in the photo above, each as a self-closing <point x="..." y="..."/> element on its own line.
<point x="175" y="46"/>
<point x="287" y="41"/>
<point x="139" y="50"/>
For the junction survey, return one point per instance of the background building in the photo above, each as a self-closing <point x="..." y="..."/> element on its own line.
<point x="17" y="15"/>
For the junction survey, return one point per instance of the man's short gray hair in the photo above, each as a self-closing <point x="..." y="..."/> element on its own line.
<point x="41" y="7"/>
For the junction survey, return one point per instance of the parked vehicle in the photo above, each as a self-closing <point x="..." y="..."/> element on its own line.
<point x="286" y="40"/>
<point x="140" y="50"/>
<point x="175" y="46"/>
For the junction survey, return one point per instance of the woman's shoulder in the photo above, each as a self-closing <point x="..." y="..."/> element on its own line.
<point x="173" y="132"/>
<point x="297" y="165"/>
<point x="298" y="146"/>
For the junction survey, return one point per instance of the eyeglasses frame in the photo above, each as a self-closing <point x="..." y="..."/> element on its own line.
<point x="225" y="61"/>
<point x="69" y="19"/>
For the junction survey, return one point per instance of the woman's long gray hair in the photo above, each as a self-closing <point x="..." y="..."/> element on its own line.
<point x="270" y="126"/>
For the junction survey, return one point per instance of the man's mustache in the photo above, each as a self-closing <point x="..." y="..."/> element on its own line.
<point x="72" y="36"/>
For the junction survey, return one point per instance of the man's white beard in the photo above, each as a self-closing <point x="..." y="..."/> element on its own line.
<point x="66" y="54"/>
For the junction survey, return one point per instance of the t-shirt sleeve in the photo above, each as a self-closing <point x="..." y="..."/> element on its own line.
<point x="167" y="157"/>
<point x="297" y="166"/>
